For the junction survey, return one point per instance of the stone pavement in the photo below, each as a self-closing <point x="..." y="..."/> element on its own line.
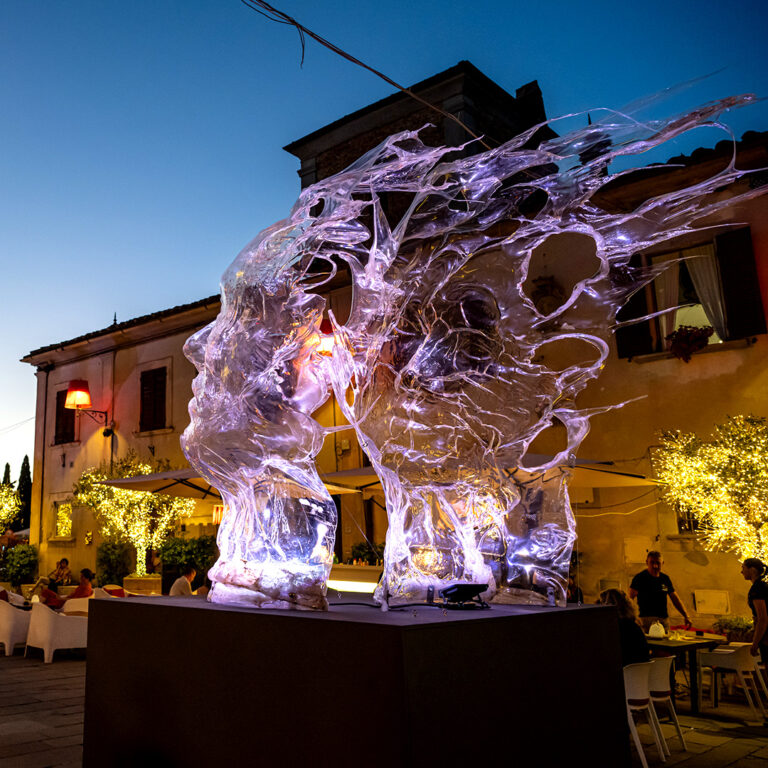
<point x="41" y="710"/>
<point x="41" y="722"/>
<point x="714" y="740"/>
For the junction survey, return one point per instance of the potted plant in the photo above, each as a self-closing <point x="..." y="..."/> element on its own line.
<point x="21" y="565"/>
<point x="737" y="629"/>
<point x="688" y="339"/>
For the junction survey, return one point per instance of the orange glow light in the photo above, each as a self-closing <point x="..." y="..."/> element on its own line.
<point x="218" y="513"/>
<point x="78" y="395"/>
<point x="326" y="338"/>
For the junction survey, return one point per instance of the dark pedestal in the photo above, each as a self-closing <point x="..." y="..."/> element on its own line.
<point x="183" y="683"/>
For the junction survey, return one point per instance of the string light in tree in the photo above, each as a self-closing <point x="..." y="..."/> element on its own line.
<point x="10" y="506"/>
<point x="723" y="482"/>
<point x="140" y="518"/>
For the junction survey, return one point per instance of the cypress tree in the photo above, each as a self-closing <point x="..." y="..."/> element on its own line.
<point x="7" y="475"/>
<point x="24" y="489"/>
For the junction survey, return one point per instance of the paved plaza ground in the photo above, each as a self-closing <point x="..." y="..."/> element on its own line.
<point x="41" y="722"/>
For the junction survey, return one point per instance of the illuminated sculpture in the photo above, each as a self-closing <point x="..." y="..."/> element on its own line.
<point x="252" y="434"/>
<point x="485" y="290"/>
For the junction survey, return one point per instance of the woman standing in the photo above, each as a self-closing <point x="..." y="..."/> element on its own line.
<point x="753" y="570"/>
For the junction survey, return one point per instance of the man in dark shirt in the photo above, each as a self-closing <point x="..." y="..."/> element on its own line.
<point x="651" y="587"/>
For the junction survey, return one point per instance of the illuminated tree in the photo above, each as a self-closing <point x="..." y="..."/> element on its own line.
<point x="723" y="482"/>
<point x="139" y="518"/>
<point x="9" y="505"/>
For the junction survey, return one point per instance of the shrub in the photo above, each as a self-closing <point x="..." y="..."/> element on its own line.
<point x="200" y="553"/>
<point x="21" y="564"/>
<point x="114" y="561"/>
<point x="738" y="629"/>
<point x="369" y="554"/>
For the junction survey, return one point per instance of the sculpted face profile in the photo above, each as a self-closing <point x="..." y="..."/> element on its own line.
<point x="252" y="433"/>
<point x="484" y="293"/>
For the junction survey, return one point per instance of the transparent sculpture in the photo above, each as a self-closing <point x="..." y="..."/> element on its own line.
<point x="485" y="291"/>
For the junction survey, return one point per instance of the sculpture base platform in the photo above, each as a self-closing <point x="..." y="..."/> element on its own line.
<point x="178" y="682"/>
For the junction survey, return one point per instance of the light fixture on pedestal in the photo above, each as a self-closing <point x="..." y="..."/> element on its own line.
<point x="79" y="399"/>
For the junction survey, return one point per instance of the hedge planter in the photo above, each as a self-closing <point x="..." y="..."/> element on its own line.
<point x="143" y="585"/>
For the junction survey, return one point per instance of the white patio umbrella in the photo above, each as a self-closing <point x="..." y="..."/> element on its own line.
<point x="188" y="483"/>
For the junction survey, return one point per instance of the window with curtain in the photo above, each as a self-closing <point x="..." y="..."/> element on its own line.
<point x="689" y="288"/>
<point x="712" y="284"/>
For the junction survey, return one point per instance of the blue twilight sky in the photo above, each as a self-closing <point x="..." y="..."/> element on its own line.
<point x="141" y="140"/>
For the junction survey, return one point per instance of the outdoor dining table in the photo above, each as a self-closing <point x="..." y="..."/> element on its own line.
<point x="679" y="648"/>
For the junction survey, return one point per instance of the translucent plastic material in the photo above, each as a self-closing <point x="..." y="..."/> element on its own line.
<point x="485" y="290"/>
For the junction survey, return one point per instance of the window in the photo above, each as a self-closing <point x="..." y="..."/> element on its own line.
<point x="65" y="420"/>
<point x="152" y="405"/>
<point x="687" y="522"/>
<point x="714" y="284"/>
<point x="691" y="283"/>
<point x="63" y="521"/>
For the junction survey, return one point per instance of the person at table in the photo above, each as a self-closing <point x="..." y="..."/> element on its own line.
<point x="84" y="588"/>
<point x="61" y="575"/>
<point x="651" y="588"/>
<point x="754" y="570"/>
<point x="634" y="646"/>
<point x="182" y="587"/>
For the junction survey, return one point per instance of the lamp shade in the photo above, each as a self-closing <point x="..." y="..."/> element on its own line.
<point x="326" y="337"/>
<point x="78" y="395"/>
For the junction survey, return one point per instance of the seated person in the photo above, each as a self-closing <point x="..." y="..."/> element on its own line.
<point x="8" y="539"/>
<point x="61" y="574"/>
<point x="84" y="588"/>
<point x="12" y="597"/>
<point x="182" y="587"/>
<point x="634" y="646"/>
<point x="48" y="594"/>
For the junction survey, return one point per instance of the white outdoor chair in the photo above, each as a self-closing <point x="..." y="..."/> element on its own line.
<point x="14" y="624"/>
<point x="15" y="599"/>
<point x="737" y="658"/>
<point x="638" y="697"/>
<point x="661" y="693"/>
<point x="50" y="631"/>
<point x="77" y="605"/>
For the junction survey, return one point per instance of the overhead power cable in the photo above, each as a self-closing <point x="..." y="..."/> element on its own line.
<point x="273" y="14"/>
<point x="11" y="427"/>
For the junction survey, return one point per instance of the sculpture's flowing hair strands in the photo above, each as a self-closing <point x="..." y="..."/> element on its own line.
<point x="484" y="296"/>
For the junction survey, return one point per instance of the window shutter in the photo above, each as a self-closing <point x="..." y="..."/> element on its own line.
<point x="65" y="420"/>
<point x="636" y="339"/>
<point x="744" y="315"/>
<point x="152" y="405"/>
